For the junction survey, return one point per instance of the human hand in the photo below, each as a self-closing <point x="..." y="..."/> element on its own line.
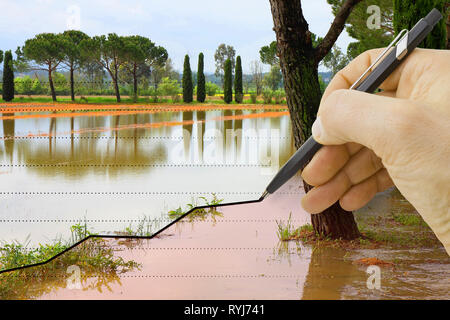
<point x="399" y="136"/>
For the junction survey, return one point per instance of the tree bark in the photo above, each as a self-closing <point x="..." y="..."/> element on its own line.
<point x="116" y="85"/>
<point x="50" y="81"/>
<point x="116" y="90"/>
<point x="72" y="88"/>
<point x="335" y="30"/>
<point x="447" y="8"/>
<point x="135" y="82"/>
<point x="299" y="65"/>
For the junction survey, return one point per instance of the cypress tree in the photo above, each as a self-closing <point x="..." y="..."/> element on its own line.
<point x="201" y="91"/>
<point x="228" y="86"/>
<point x="188" y="89"/>
<point x="407" y="13"/>
<point x="238" y="91"/>
<point x="8" y="77"/>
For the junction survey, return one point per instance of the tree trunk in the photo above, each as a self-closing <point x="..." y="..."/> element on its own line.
<point x="50" y="82"/>
<point x="116" y="90"/>
<point x="116" y="86"/>
<point x="334" y="222"/>
<point x="299" y="66"/>
<point x="447" y="8"/>
<point x="134" y="84"/>
<point x="72" y="89"/>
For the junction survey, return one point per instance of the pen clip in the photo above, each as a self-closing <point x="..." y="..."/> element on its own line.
<point x="402" y="40"/>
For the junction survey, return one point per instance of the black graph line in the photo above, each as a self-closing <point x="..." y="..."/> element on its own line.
<point x="107" y="236"/>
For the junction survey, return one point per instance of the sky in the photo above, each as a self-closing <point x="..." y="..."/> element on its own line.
<point x="180" y="26"/>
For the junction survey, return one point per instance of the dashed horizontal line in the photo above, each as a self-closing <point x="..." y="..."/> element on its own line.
<point x="188" y="276"/>
<point x="130" y="193"/>
<point x="213" y="276"/>
<point x="133" y="220"/>
<point x="131" y="109"/>
<point x="172" y="249"/>
<point x="142" y="137"/>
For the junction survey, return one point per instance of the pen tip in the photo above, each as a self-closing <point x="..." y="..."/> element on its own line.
<point x="264" y="195"/>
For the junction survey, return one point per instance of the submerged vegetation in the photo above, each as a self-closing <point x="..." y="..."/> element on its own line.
<point x="13" y="255"/>
<point x="200" y="213"/>
<point x="286" y="231"/>
<point x="399" y="227"/>
<point x="144" y="228"/>
<point x="93" y="256"/>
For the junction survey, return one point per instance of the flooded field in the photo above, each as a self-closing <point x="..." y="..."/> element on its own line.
<point x="110" y="171"/>
<point x="113" y="168"/>
<point x="235" y="253"/>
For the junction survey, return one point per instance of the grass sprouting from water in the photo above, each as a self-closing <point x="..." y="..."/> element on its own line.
<point x="94" y="257"/>
<point x="409" y="219"/>
<point x="201" y="213"/>
<point x="288" y="232"/>
<point x="145" y="228"/>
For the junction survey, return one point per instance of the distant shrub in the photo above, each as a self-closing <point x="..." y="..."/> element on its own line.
<point x="279" y="95"/>
<point x="211" y="89"/>
<point x="253" y="97"/>
<point x="154" y="94"/>
<point x="23" y="85"/>
<point x="170" y="88"/>
<point x="267" y="95"/>
<point x="61" y="84"/>
<point x="176" y="98"/>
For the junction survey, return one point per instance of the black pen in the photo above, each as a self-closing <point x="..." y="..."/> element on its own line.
<point x="405" y="42"/>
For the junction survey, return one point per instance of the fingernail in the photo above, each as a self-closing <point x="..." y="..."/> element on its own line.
<point x="317" y="128"/>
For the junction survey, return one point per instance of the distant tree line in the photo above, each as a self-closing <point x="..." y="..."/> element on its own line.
<point x="73" y="63"/>
<point x="126" y="59"/>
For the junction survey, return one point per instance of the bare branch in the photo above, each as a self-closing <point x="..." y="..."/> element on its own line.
<point x="335" y="30"/>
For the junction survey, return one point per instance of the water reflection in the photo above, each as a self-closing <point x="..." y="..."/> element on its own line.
<point x="90" y="266"/>
<point x="188" y="116"/>
<point x="113" y="170"/>
<point x="328" y="274"/>
<point x="8" y="131"/>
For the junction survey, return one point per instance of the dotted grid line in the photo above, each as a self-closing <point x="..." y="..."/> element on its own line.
<point x="129" y="193"/>
<point x="143" y="108"/>
<point x="172" y="249"/>
<point x="142" y="137"/>
<point x="133" y="220"/>
<point x="90" y="82"/>
<point x="133" y="165"/>
<point x="191" y="276"/>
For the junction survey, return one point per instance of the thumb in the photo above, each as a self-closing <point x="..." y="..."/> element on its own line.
<point x="355" y="116"/>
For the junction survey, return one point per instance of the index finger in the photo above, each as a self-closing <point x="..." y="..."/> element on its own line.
<point x="347" y="76"/>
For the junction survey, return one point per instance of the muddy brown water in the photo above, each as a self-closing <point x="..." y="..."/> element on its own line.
<point x="111" y="169"/>
<point x="237" y="255"/>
